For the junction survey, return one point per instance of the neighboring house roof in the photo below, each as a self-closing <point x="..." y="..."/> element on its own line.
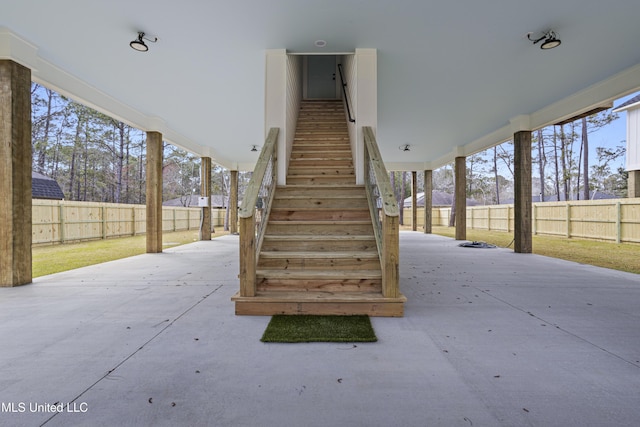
<point x="217" y="201"/>
<point x="626" y="105"/>
<point x="43" y="187"/>
<point x="438" y="198"/>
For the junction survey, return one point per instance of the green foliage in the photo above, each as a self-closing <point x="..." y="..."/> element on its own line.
<point x="97" y="158"/>
<point x="558" y="154"/>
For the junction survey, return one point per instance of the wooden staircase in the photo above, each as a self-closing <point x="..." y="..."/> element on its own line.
<point x="319" y="253"/>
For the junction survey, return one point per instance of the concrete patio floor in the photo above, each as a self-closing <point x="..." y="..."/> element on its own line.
<point x="489" y="338"/>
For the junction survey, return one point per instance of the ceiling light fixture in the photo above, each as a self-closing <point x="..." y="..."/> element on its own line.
<point x="254" y="148"/>
<point x="405" y="147"/>
<point x="320" y="43"/>
<point x="550" y="40"/>
<point x="139" y="44"/>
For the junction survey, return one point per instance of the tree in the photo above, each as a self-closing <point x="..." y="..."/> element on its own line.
<point x="400" y="190"/>
<point x="475" y="174"/>
<point x="591" y="124"/>
<point x="542" y="161"/>
<point x="92" y="156"/>
<point x="603" y="178"/>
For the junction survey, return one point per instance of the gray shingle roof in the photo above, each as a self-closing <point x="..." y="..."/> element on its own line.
<point x="632" y="101"/>
<point x="43" y="187"/>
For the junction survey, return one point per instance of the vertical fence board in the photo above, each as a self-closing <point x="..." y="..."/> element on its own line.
<point x="57" y="221"/>
<point x="609" y="220"/>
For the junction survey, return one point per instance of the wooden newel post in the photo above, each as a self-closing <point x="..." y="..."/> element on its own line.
<point x="248" y="256"/>
<point x="233" y="203"/>
<point x="391" y="251"/>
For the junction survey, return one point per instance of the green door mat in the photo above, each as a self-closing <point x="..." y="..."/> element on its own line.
<point x="308" y="328"/>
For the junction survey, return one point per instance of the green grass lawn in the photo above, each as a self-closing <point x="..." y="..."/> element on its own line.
<point x="57" y="258"/>
<point x="623" y="257"/>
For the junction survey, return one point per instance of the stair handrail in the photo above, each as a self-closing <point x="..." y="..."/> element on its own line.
<point x="385" y="214"/>
<point x="343" y="84"/>
<point x="254" y="212"/>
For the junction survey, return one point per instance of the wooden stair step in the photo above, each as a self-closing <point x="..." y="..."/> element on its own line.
<point x="318" y="134"/>
<point x="311" y="194"/>
<point x="268" y="303"/>
<point x="310" y="285"/>
<point x="328" y="160"/>
<point x="318" y="187"/>
<point x="320" y="214"/>
<point x="312" y="179"/>
<point x="301" y="202"/>
<point x="307" y="170"/>
<point x="334" y="154"/>
<point x="312" y="260"/>
<point x="320" y="228"/>
<point x="308" y="243"/>
<point x="323" y="144"/>
<point x="319" y="274"/>
<point x="319" y="255"/>
<point x="312" y="237"/>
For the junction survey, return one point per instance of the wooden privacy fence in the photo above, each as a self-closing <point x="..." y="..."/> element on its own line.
<point x="616" y="220"/>
<point x="56" y="221"/>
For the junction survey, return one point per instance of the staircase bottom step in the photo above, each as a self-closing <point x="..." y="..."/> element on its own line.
<point x="269" y="303"/>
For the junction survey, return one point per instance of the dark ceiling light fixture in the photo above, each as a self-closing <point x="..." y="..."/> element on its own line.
<point x="551" y="40"/>
<point x="254" y="148"/>
<point x="405" y="147"/>
<point x="139" y="43"/>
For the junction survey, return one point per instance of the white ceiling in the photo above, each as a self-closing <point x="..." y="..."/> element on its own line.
<point x="451" y="74"/>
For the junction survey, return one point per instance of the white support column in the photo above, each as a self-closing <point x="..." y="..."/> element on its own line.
<point x="365" y="108"/>
<point x="276" y="105"/>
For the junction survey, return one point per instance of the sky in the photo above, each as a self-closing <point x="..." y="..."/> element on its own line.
<point x="612" y="135"/>
<point x="609" y="136"/>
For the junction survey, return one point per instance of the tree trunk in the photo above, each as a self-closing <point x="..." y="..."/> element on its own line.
<point x="555" y="157"/>
<point x="452" y="217"/>
<point x="495" y="174"/>
<point x="72" y="167"/>
<point x="585" y="149"/>
<point x="542" y="161"/>
<point x="563" y="152"/>
<point x="42" y="150"/>
<point x="119" y="159"/>
<point x="127" y="160"/>
<point x="402" y="196"/>
<point x="141" y="182"/>
<point x="85" y="166"/>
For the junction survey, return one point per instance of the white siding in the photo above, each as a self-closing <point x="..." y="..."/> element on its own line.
<point x="633" y="139"/>
<point x="294" y="95"/>
<point x="361" y="75"/>
<point x="283" y="91"/>
<point x="350" y="73"/>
